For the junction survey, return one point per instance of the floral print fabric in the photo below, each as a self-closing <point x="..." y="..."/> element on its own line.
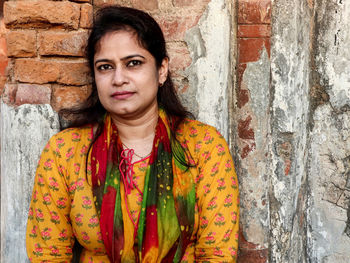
<point x="62" y="207"/>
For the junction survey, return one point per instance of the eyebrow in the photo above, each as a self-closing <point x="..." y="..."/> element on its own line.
<point x="124" y="58"/>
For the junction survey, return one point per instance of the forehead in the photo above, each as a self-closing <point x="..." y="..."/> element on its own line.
<point x="119" y="41"/>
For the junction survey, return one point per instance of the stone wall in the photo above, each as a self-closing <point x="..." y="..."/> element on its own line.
<point x="272" y="76"/>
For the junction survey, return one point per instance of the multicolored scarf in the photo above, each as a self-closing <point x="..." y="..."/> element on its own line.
<point x="166" y="217"/>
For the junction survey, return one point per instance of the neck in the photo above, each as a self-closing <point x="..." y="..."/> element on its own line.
<point x="137" y="130"/>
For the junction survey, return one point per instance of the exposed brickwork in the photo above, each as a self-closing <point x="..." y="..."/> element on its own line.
<point x="33" y="94"/>
<point x="254" y="31"/>
<point x="86" y="16"/>
<point x="3" y="55"/>
<point x="148" y="5"/>
<point x="21" y="43"/>
<point x="47" y="40"/>
<point x="180" y="57"/>
<point x="254" y="12"/>
<point x="46" y="71"/>
<point x="83" y="1"/>
<point x="69" y="96"/>
<point x="9" y="93"/>
<point x="250" y="253"/>
<point x="175" y="27"/>
<point x="253" y="35"/>
<point x="62" y="43"/>
<point x="250" y="48"/>
<point x="41" y="14"/>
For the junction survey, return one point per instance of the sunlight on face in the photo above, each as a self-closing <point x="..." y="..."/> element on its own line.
<point x="126" y="75"/>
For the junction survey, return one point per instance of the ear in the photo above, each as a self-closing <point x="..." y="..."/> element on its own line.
<point x="163" y="71"/>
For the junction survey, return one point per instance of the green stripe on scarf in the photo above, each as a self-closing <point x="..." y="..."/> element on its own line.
<point x="167" y="210"/>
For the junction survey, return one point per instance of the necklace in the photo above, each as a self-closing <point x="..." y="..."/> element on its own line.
<point x="141" y="157"/>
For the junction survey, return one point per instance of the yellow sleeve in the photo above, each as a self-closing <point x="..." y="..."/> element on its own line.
<point x="49" y="236"/>
<point x="218" y="200"/>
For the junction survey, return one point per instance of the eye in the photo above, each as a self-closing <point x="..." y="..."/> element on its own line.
<point x="104" y="67"/>
<point x="133" y="63"/>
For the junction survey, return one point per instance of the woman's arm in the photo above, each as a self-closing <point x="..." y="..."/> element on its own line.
<point x="49" y="235"/>
<point x="218" y="201"/>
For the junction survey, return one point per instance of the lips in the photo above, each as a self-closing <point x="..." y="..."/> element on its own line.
<point x="122" y="95"/>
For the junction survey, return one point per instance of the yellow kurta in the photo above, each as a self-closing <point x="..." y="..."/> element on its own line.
<point x="62" y="206"/>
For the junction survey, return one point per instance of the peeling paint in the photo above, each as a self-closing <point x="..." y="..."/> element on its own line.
<point x="24" y="132"/>
<point x="333" y="53"/>
<point x="290" y="72"/>
<point x="209" y="45"/>
<point x="253" y="129"/>
<point x="328" y="186"/>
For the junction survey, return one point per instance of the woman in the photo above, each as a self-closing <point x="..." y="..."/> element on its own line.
<point x="135" y="179"/>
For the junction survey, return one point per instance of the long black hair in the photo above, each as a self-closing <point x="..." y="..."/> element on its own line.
<point x="111" y="19"/>
<point x="150" y="36"/>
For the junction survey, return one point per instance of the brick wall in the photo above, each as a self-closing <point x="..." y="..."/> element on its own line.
<point x="46" y="41"/>
<point x="3" y="54"/>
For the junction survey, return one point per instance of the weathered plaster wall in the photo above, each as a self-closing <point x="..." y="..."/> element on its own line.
<point x="290" y="71"/>
<point x="252" y="127"/>
<point x="209" y="44"/>
<point x="292" y="119"/>
<point x="329" y="174"/>
<point x="24" y="133"/>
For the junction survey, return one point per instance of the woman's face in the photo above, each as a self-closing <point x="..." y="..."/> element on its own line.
<point x="126" y="75"/>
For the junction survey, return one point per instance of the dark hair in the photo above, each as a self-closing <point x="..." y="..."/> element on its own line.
<point x="150" y="36"/>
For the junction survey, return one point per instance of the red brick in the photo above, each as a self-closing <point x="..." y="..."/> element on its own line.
<point x="180" y="57"/>
<point x="46" y="71"/>
<point x="62" y="43"/>
<point x="2" y="84"/>
<point x="104" y="2"/>
<point x="253" y="256"/>
<point x="33" y="94"/>
<point x="249" y="252"/>
<point x="86" y="16"/>
<point x="21" y="43"/>
<point x="250" y="49"/>
<point x="175" y="27"/>
<point x="249" y="147"/>
<point x="198" y="4"/>
<point x="3" y="65"/>
<point x="145" y="5"/>
<point x="242" y="94"/>
<point x="81" y="1"/>
<point x="244" y="130"/>
<point x="3" y="46"/>
<point x="9" y="93"/>
<point x="41" y="14"/>
<point x="254" y="31"/>
<point x="243" y="97"/>
<point x="181" y="84"/>
<point x="69" y="96"/>
<point x="254" y="11"/>
<point x="182" y="3"/>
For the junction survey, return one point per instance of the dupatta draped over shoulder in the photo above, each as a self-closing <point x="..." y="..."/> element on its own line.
<point x="166" y="219"/>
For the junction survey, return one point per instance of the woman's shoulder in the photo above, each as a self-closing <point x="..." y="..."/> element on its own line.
<point x="71" y="139"/>
<point x="74" y="134"/>
<point x="196" y="129"/>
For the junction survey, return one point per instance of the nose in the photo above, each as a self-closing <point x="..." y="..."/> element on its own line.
<point x="119" y="77"/>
